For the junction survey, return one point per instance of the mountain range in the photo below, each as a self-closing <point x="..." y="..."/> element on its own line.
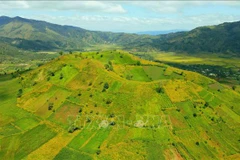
<point x="40" y="35"/>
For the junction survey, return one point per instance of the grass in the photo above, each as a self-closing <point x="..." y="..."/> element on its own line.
<point x="67" y="153"/>
<point x="177" y="122"/>
<point x="26" y="123"/>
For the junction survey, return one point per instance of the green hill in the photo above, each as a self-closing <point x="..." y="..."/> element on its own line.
<point x="112" y="105"/>
<point x="223" y="38"/>
<point x="39" y="35"/>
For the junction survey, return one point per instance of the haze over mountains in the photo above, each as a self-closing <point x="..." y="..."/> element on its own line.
<point x="39" y="35"/>
<point x="154" y="33"/>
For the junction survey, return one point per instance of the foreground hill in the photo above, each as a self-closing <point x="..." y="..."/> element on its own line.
<point x="112" y="105"/>
<point x="39" y="35"/>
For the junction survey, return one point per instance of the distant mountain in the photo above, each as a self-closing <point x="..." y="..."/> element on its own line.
<point x="39" y="35"/>
<point x="223" y="38"/>
<point x="154" y="33"/>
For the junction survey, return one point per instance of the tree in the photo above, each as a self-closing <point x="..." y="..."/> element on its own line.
<point x="61" y="76"/>
<point x="159" y="90"/>
<point x="60" y="53"/>
<point x="50" y="106"/>
<point x="20" y="92"/>
<point x="80" y="110"/>
<point x="206" y="104"/>
<point x="98" y="152"/>
<point x="138" y="63"/>
<point x="70" y="52"/>
<point x="234" y="88"/>
<point x="106" y="85"/>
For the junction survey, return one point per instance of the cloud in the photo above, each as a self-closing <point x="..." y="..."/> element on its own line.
<point x="80" y="6"/>
<point x="136" y="24"/>
<point x="7" y="5"/>
<point x="180" y="6"/>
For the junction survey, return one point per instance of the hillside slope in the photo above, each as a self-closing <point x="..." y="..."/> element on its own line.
<point x="39" y="35"/>
<point x="112" y="105"/>
<point x="223" y="38"/>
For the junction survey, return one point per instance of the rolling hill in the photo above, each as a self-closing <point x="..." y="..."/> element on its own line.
<point x="112" y="105"/>
<point x="39" y="35"/>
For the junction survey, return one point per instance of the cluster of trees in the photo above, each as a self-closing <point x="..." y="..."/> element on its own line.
<point x="109" y="66"/>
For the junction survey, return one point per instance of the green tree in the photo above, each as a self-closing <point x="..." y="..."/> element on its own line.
<point x="159" y="90"/>
<point x="60" y="53"/>
<point x="20" y="92"/>
<point x="106" y="85"/>
<point x="138" y="63"/>
<point x="50" y="106"/>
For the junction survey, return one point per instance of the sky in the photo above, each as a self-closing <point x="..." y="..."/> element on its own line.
<point x="126" y="16"/>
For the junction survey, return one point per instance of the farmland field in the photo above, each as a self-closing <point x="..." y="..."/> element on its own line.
<point x="103" y="107"/>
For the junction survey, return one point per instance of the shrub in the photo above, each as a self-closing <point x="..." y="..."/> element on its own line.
<point x="108" y="101"/>
<point x="138" y="63"/>
<point x="106" y="85"/>
<point x="72" y="128"/>
<point x="80" y="110"/>
<point x="61" y="76"/>
<point x="98" y="152"/>
<point x="159" y="90"/>
<point x="206" y="104"/>
<point x="112" y="123"/>
<point x="20" y="92"/>
<point x="61" y="52"/>
<point x="194" y="115"/>
<point x="50" y="106"/>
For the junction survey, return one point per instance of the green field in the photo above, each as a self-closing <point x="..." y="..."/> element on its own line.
<point x="113" y="105"/>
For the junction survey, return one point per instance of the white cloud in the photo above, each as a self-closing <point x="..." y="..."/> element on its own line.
<point x="7" y="5"/>
<point x="135" y="24"/>
<point x="179" y="6"/>
<point x="81" y="6"/>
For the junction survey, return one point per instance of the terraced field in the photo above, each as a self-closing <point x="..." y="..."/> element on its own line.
<point x="112" y="105"/>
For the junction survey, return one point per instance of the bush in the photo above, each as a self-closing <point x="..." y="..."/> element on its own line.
<point x="138" y="63"/>
<point x="206" y="104"/>
<point x="194" y="115"/>
<point x="61" y="52"/>
<point x="50" y="106"/>
<point x="72" y="128"/>
<point x="98" y="152"/>
<point x="108" y="101"/>
<point x="80" y="110"/>
<point x="106" y="85"/>
<point x="159" y="90"/>
<point x="20" y="92"/>
<point x="61" y="76"/>
<point x="112" y="123"/>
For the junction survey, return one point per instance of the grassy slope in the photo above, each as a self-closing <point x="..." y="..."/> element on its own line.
<point x="172" y="124"/>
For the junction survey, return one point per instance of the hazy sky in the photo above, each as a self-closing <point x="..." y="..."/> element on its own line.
<point x="126" y="16"/>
